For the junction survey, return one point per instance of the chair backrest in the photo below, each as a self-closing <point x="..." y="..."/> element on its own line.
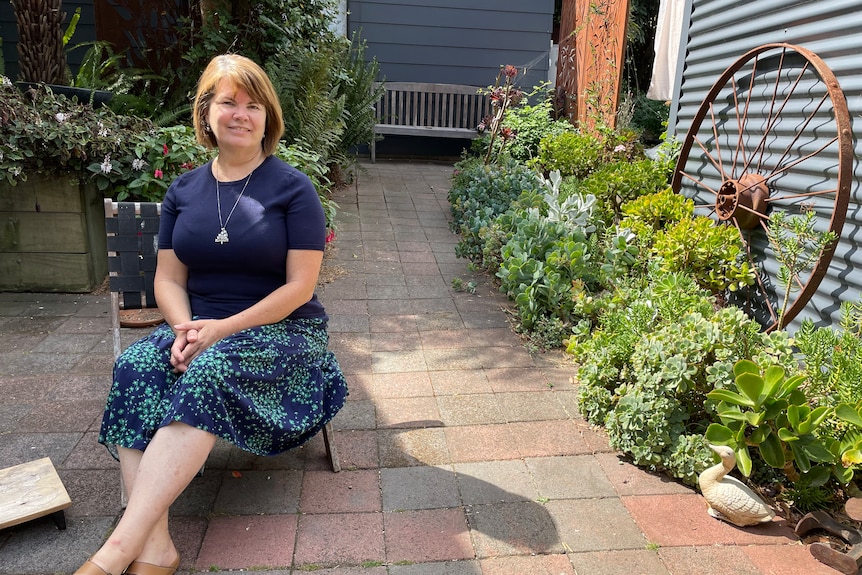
<point x="132" y="236"/>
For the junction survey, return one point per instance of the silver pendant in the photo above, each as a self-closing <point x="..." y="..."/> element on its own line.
<point x="221" y="238"/>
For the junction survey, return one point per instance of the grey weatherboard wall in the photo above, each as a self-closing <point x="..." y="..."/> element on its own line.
<point x="455" y="41"/>
<point x="718" y="32"/>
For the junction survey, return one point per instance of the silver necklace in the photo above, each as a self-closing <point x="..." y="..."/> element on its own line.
<point x="222" y="238"/>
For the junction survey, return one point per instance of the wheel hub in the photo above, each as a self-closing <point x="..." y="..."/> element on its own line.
<point x="743" y="200"/>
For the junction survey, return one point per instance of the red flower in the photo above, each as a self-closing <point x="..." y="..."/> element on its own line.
<point x="330" y="236"/>
<point x="165" y="148"/>
<point x="158" y="174"/>
<point x="510" y="71"/>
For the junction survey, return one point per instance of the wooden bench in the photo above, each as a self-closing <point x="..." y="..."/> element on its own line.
<point x="435" y="110"/>
<point x="32" y="490"/>
<point x="132" y="238"/>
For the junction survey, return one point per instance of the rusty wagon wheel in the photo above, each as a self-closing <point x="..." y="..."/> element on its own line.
<point x="773" y="133"/>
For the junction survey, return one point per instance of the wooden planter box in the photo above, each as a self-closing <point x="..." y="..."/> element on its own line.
<point x="52" y="235"/>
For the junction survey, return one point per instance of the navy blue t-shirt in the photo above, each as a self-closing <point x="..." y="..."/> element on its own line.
<point x="279" y="210"/>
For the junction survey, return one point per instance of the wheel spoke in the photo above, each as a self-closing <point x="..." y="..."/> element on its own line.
<point x="801" y="130"/>
<point x="712" y="160"/>
<point x="770" y="118"/>
<point x="699" y="183"/>
<point x="798" y="161"/>
<point x="802" y="195"/>
<point x="720" y="164"/>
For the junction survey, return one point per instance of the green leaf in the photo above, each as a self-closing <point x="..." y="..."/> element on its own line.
<point x="730" y="397"/>
<point x="787" y="435"/>
<point x="774" y="409"/>
<point x="772" y="378"/>
<point x="818" y="475"/>
<point x="793" y="415"/>
<point x="816" y="451"/>
<point x="800" y="456"/>
<point x="851" y="457"/>
<point x="754" y="418"/>
<point x="751" y="385"/>
<point x="846" y="413"/>
<point x="789" y="385"/>
<point x="743" y="461"/>
<point x="745" y="366"/>
<point x="719" y="434"/>
<point x="843" y="474"/>
<point x="772" y="451"/>
<point x="760" y="434"/>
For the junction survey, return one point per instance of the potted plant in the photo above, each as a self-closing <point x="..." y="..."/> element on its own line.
<point x="52" y="232"/>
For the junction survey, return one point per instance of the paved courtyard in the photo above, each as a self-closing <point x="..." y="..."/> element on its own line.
<point x="462" y="453"/>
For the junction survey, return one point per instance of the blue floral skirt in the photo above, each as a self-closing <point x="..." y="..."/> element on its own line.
<point x="265" y="389"/>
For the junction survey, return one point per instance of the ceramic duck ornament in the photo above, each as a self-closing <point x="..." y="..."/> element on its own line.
<point x="730" y="499"/>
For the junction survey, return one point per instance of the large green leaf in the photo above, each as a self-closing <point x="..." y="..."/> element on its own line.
<point x="787" y="435"/>
<point x="800" y="456"/>
<point x="851" y="457"/>
<point x="843" y="474"/>
<point x="759" y="435"/>
<point x="818" y="475"/>
<point x="775" y="408"/>
<point x="772" y="378"/>
<point x="816" y="451"/>
<point x="847" y="413"/>
<point x="772" y="451"/>
<point x="719" y="434"/>
<point x="745" y="366"/>
<point x="743" y="460"/>
<point x="751" y="385"/>
<point x="789" y="385"/>
<point x="730" y="397"/>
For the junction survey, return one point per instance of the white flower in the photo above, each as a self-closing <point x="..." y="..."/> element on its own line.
<point x="620" y="148"/>
<point x="103" y="131"/>
<point x="4" y="81"/>
<point x="61" y="117"/>
<point x="139" y="164"/>
<point x="106" y="165"/>
<point x="16" y="171"/>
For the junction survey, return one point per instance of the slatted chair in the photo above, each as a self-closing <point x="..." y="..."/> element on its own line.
<point x="132" y="237"/>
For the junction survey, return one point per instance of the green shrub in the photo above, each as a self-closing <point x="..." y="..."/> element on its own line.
<point x="571" y="153"/>
<point x="479" y="193"/>
<point x="619" y="182"/>
<point x="653" y="212"/>
<point x="713" y="254"/>
<point x="530" y="124"/>
<point x="538" y="266"/>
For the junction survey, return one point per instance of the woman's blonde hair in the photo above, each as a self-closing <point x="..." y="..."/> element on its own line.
<point x="245" y="74"/>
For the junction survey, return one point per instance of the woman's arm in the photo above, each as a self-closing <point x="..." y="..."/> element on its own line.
<point x="170" y="288"/>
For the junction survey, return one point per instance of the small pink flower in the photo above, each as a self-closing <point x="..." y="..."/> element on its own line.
<point x="165" y="149"/>
<point x="620" y="148"/>
<point x="158" y="174"/>
<point x="510" y="71"/>
<point x="330" y="236"/>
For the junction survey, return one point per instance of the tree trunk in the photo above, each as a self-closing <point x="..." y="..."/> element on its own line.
<point x="41" y="54"/>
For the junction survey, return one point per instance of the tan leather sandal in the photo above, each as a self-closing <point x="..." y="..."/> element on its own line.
<point x="141" y="568"/>
<point x="90" y="568"/>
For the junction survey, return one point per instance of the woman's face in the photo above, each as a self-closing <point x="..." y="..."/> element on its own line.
<point x="238" y="122"/>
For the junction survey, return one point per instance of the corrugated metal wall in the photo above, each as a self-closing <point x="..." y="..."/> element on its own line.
<point x="718" y="33"/>
<point x="455" y="41"/>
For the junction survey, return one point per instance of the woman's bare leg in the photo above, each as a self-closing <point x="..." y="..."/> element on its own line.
<point x="159" y="548"/>
<point x="168" y="465"/>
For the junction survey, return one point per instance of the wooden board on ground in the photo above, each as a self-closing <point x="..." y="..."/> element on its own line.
<point x="30" y="490"/>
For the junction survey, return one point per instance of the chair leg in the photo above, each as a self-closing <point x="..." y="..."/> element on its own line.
<point x="331" y="452"/>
